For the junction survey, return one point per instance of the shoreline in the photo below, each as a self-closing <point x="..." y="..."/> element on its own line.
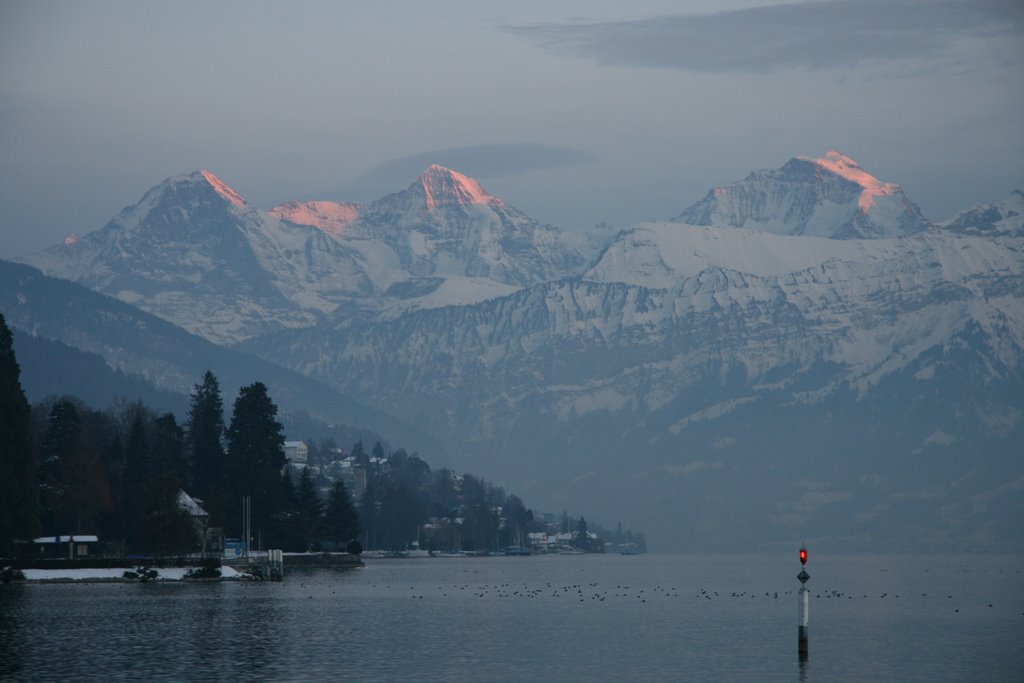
<point x="116" y="575"/>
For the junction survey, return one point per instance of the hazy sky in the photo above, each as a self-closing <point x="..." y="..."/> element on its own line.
<point x="575" y="112"/>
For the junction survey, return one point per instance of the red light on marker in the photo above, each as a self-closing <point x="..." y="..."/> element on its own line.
<point x="803" y="555"/>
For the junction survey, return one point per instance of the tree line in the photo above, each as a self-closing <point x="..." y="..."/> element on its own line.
<point x="120" y="474"/>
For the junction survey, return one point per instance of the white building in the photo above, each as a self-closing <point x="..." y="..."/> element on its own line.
<point x="296" y="451"/>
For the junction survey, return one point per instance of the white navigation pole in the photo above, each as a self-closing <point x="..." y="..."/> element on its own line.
<point x="804" y="596"/>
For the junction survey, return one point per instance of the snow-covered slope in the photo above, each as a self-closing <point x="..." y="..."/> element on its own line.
<point x="830" y="196"/>
<point x="331" y="217"/>
<point x="743" y="345"/>
<point x="1004" y="218"/>
<point x="194" y="252"/>
<point x="686" y="350"/>
<point x="667" y="299"/>
<point x="446" y="224"/>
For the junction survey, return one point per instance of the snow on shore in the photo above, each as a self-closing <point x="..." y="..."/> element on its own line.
<point x="113" y="574"/>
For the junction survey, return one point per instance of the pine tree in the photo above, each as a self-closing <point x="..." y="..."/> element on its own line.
<point x="163" y="527"/>
<point x="309" y="508"/>
<point x="369" y="508"/>
<point x="59" y="443"/>
<point x="204" y="447"/>
<point x="135" y="495"/>
<point x="167" y="450"/>
<point x="19" y="504"/>
<point x="582" y="537"/>
<point x="341" y="521"/>
<point x="255" y="458"/>
<point x="74" y="484"/>
<point x="136" y="449"/>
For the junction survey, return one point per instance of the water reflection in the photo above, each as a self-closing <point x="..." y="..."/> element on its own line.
<point x="12" y="638"/>
<point x="208" y="630"/>
<point x="255" y="627"/>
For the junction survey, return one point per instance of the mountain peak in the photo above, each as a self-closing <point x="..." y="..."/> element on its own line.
<point x="222" y="188"/>
<point x="830" y="196"/>
<point x="204" y="178"/>
<point x="843" y="166"/>
<point x="445" y="187"/>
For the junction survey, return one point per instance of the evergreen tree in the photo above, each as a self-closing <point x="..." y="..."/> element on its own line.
<point x="401" y="514"/>
<point x="581" y="539"/>
<point x="408" y="471"/>
<point x="135" y="494"/>
<point x="341" y="521"/>
<point x="204" y="447"/>
<point x="369" y="508"/>
<point x="359" y="455"/>
<point x="75" y="487"/>
<point x="19" y="504"/>
<point x="162" y="527"/>
<point x="309" y="508"/>
<point x="167" y="450"/>
<point x="59" y="443"/>
<point x="136" y="449"/>
<point x="255" y="459"/>
<point x="518" y="521"/>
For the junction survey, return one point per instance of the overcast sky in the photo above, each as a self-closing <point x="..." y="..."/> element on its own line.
<point x="575" y="112"/>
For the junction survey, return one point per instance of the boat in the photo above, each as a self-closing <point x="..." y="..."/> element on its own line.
<point x="414" y="550"/>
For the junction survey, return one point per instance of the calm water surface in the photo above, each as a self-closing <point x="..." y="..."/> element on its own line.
<point x="548" y="618"/>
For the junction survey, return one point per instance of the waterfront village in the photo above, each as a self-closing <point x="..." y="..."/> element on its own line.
<point x="129" y="493"/>
<point x="88" y="557"/>
<point x="439" y="535"/>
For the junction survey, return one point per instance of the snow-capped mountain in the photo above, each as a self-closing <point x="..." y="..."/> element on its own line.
<point x="801" y="351"/>
<point x="194" y="252"/>
<point x="669" y="307"/>
<point x="687" y="355"/>
<point x="830" y="196"/>
<point x="446" y="224"/>
<point x="1004" y="218"/>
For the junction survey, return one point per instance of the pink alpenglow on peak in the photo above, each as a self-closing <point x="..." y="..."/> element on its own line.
<point x="445" y="187"/>
<point x="331" y="217"/>
<point x="70" y="239"/>
<point x="846" y="167"/>
<point x="223" y="189"/>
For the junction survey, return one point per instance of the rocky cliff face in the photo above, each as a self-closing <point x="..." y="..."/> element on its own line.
<point x="1003" y="218"/>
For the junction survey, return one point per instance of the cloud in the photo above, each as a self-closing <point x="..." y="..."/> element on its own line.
<point x="820" y="34"/>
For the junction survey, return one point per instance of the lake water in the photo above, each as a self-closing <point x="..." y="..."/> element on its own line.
<point x="547" y="618"/>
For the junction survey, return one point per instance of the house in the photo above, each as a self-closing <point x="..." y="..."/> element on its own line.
<point x="70" y="546"/>
<point x="200" y="517"/>
<point x="296" y="451"/>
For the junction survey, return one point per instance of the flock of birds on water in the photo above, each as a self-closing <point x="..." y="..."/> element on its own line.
<point x="592" y="592"/>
